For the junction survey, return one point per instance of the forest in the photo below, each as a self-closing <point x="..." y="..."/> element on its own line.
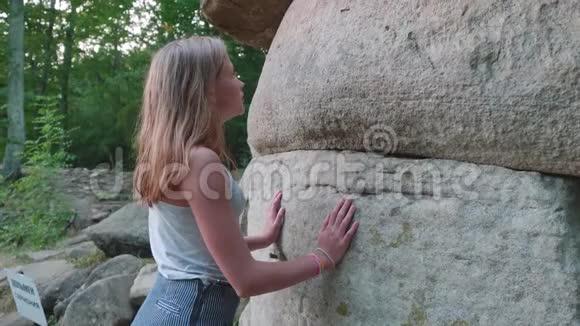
<point x="71" y="81"/>
<point x="85" y="61"/>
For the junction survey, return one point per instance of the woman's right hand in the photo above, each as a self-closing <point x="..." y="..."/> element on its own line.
<point x="337" y="231"/>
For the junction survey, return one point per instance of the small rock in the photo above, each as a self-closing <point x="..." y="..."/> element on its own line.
<point x="143" y="284"/>
<point x="82" y="249"/>
<point x="104" y="303"/>
<point x="100" y="216"/>
<point x="82" y="237"/>
<point x="123" y="264"/>
<point x="43" y="255"/>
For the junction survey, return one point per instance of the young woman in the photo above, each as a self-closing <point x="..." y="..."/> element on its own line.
<point x="204" y="262"/>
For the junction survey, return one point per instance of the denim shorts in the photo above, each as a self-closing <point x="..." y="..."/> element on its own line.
<point x="190" y="302"/>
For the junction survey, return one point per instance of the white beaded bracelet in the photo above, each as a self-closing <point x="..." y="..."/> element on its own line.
<point x="327" y="256"/>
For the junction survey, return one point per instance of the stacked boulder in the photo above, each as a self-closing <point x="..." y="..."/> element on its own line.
<point x="454" y="126"/>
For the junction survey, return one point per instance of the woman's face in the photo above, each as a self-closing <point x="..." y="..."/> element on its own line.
<point x="228" y="97"/>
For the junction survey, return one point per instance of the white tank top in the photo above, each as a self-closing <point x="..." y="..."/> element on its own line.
<point x="176" y="243"/>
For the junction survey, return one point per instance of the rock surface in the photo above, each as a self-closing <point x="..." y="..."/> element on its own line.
<point x="38" y="256"/>
<point x="94" y="194"/>
<point x="252" y="22"/>
<point x="73" y="252"/>
<point x="489" y="82"/>
<point x="77" y="239"/>
<point x="47" y="275"/>
<point x="124" y="232"/>
<point x="440" y="242"/>
<point x="7" y="304"/>
<point x="143" y="284"/>
<point x="44" y="273"/>
<point x="82" y="249"/>
<point x="119" y="265"/>
<point x="62" y="287"/>
<point x="104" y="303"/>
<point x="14" y="319"/>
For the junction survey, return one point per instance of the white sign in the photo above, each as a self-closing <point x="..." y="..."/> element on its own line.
<point x="26" y="297"/>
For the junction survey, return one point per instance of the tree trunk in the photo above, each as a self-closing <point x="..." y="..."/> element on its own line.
<point x="67" y="59"/>
<point x="16" y="133"/>
<point x="48" y="48"/>
<point x="116" y="65"/>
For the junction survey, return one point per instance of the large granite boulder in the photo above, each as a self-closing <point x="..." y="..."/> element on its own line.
<point x="458" y="95"/>
<point x="252" y="22"/>
<point x="124" y="232"/>
<point x="441" y="242"/>
<point x="490" y="82"/>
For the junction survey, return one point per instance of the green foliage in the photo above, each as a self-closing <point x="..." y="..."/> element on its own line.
<point x="248" y="63"/>
<point x="112" y="46"/>
<point x="35" y="215"/>
<point x="50" y="149"/>
<point x="3" y="123"/>
<point x="236" y="136"/>
<point x="52" y="321"/>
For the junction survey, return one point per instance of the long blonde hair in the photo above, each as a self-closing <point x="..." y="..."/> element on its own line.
<point x="175" y="115"/>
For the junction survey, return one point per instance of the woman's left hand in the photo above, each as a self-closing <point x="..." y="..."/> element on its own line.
<point x="274" y="220"/>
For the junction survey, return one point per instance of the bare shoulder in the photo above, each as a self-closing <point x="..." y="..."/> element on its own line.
<point x="201" y="154"/>
<point x="206" y="170"/>
<point x="203" y="158"/>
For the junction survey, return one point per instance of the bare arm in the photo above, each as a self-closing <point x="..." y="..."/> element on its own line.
<point x="272" y="226"/>
<point x="222" y="235"/>
<point x="255" y="242"/>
